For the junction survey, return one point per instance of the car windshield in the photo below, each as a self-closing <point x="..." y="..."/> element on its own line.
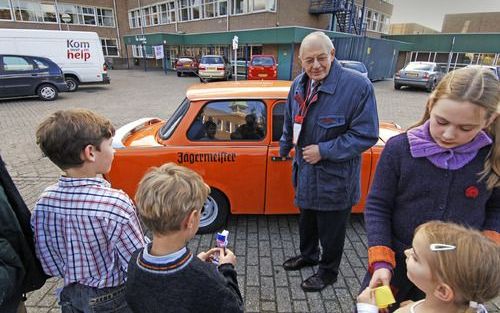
<point x="167" y="130"/>
<point x="212" y="60"/>
<point x="263" y="61"/>
<point x="419" y="67"/>
<point x="355" y="66"/>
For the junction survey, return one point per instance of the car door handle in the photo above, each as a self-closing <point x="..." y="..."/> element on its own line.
<point x="280" y="159"/>
<point x="34" y="74"/>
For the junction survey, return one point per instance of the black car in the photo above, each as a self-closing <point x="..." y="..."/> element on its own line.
<point x="30" y="76"/>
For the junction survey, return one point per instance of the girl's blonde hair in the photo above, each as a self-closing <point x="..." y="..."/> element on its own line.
<point x="481" y="87"/>
<point x="471" y="269"/>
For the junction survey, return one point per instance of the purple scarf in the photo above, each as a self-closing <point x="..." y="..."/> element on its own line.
<point x="422" y="145"/>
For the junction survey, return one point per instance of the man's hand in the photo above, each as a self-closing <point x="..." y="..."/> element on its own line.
<point x="382" y="276"/>
<point x="311" y="154"/>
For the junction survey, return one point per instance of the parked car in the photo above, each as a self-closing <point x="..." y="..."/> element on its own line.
<point x="494" y="69"/>
<point x="419" y="74"/>
<point x="214" y="67"/>
<point x="229" y="133"/>
<point x="30" y="76"/>
<point x="186" y="65"/>
<point x="355" y="65"/>
<point x="79" y="54"/>
<point x="262" y="67"/>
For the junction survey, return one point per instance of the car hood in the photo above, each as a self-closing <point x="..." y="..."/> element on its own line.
<point x="139" y="133"/>
<point x="388" y="130"/>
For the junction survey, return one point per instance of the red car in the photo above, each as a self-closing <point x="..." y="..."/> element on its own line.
<point x="263" y="67"/>
<point x="186" y="65"/>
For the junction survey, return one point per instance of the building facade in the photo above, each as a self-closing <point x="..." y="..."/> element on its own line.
<point x="410" y="29"/>
<point x="487" y="22"/>
<point x="114" y="20"/>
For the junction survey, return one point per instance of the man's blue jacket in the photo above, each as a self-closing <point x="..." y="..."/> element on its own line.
<point x="344" y="123"/>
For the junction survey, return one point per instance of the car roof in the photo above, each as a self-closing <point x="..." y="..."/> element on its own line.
<point x="211" y="55"/>
<point x="249" y="89"/>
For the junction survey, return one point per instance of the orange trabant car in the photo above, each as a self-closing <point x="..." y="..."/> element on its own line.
<point x="229" y="133"/>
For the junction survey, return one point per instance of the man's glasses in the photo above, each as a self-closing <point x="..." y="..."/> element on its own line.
<point x="322" y="58"/>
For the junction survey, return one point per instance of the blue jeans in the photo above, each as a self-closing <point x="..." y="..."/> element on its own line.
<point x="77" y="298"/>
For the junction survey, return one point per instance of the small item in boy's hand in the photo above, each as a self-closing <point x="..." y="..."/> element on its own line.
<point x="221" y="242"/>
<point x="384" y="297"/>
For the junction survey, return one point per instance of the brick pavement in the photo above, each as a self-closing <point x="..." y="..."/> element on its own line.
<point x="261" y="243"/>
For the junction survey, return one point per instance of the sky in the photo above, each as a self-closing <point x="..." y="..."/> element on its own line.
<point x="430" y="13"/>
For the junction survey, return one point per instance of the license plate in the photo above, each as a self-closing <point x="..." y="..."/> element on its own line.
<point x="187" y="65"/>
<point x="214" y="68"/>
<point x="262" y="75"/>
<point x="412" y="74"/>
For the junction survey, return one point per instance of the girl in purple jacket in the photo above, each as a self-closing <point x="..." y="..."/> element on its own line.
<point x="447" y="167"/>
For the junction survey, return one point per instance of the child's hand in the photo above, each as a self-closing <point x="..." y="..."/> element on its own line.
<point x="208" y="255"/>
<point x="380" y="277"/>
<point x="227" y="256"/>
<point x="367" y="296"/>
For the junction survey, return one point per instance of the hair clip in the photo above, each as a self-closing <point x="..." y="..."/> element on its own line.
<point x="441" y="247"/>
<point x="478" y="307"/>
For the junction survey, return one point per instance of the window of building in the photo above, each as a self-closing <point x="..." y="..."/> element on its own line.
<point x="230" y="120"/>
<point x="49" y="13"/>
<point x="137" y="51"/>
<point x="134" y="18"/>
<point x="5" y="12"/>
<point x="105" y="17"/>
<point x="27" y="11"/>
<point x="239" y="6"/>
<point x="16" y="64"/>
<point x="87" y="15"/>
<point x="69" y="9"/>
<point x="109" y="47"/>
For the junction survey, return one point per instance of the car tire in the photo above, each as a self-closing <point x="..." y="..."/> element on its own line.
<point x="179" y="74"/>
<point x="72" y="83"/>
<point x="214" y="213"/>
<point x="431" y="86"/>
<point x="203" y="80"/>
<point x="397" y="86"/>
<point x="47" y="92"/>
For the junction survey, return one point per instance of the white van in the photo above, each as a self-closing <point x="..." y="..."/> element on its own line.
<point x="78" y="54"/>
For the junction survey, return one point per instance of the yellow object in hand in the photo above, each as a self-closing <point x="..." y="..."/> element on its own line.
<point x="383" y="297"/>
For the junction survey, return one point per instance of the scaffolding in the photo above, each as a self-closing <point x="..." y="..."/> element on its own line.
<point x="347" y="17"/>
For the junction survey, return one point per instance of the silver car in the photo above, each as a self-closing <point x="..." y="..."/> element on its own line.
<point x="419" y="74"/>
<point x="214" y="67"/>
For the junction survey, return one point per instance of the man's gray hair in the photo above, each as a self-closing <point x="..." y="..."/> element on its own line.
<point x="317" y="37"/>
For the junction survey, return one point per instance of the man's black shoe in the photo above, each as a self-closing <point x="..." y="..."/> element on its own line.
<point x="316" y="283"/>
<point x="296" y="263"/>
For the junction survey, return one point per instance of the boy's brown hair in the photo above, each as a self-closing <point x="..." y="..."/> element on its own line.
<point x="63" y="135"/>
<point x="167" y="194"/>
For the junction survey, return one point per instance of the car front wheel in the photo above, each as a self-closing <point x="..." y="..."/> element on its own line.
<point x="214" y="213"/>
<point x="47" y="92"/>
<point x="397" y="86"/>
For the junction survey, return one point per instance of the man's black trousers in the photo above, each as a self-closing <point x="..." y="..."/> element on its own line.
<point x="327" y="228"/>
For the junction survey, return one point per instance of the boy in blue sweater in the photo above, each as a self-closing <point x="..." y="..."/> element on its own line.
<point x="165" y="276"/>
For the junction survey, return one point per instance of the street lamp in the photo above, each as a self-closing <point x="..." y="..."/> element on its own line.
<point x="66" y="18"/>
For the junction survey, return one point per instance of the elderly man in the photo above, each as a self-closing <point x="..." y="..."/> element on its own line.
<point x="330" y="119"/>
